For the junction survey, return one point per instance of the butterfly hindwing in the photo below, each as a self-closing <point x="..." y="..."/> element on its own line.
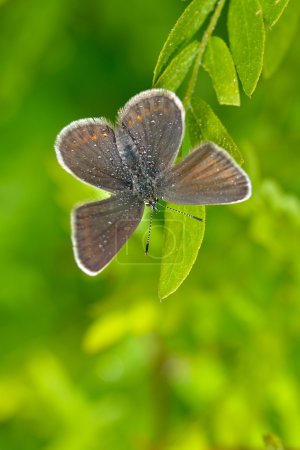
<point x="100" y="229"/>
<point x="207" y="176"/>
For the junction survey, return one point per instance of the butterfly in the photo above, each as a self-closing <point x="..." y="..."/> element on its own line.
<point x="134" y="161"/>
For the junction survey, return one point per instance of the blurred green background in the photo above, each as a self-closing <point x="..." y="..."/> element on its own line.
<point x="100" y="363"/>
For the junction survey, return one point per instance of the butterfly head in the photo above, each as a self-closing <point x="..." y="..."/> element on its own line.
<point x="151" y="202"/>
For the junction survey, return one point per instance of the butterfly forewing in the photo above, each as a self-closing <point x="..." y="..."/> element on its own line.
<point x="87" y="148"/>
<point x="154" y="124"/>
<point x="208" y="176"/>
<point x="100" y="229"/>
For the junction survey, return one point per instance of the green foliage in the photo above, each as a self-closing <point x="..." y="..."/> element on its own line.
<point x="215" y="366"/>
<point x="219" y="64"/>
<point x="273" y="443"/>
<point x="280" y="38"/>
<point x="246" y="32"/>
<point x="272" y="10"/>
<point x="247" y="39"/>
<point x="204" y="125"/>
<point x="179" y="250"/>
<point x="185" y="28"/>
<point x="112" y="328"/>
<point x="177" y="70"/>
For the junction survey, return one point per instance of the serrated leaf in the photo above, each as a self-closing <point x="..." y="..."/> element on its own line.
<point x="247" y="40"/>
<point x="203" y="125"/>
<point x="187" y="25"/>
<point x="272" y="10"/>
<point x="182" y="240"/>
<point x="219" y="64"/>
<point x="279" y="39"/>
<point x="176" y="71"/>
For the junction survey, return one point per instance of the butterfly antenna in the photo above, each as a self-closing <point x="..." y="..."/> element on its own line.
<point x="182" y="212"/>
<point x="149" y="232"/>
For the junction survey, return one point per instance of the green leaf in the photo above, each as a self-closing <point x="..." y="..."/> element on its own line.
<point x="247" y="40"/>
<point x="176" y="71"/>
<point x="182" y="240"/>
<point x="204" y="125"/>
<point x="272" y="10"/>
<point x="187" y="25"/>
<point x="219" y="64"/>
<point x="279" y="39"/>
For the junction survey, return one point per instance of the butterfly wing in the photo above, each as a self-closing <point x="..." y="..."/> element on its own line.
<point x="150" y="131"/>
<point x="207" y="176"/>
<point x="87" y="149"/>
<point x="100" y="229"/>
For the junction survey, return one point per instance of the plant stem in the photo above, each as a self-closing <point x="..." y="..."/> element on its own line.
<point x="202" y="46"/>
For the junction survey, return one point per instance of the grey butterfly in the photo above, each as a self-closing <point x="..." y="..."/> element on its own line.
<point x="134" y="161"/>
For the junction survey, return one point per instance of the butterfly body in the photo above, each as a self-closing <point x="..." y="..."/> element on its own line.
<point x="143" y="187"/>
<point x="134" y="161"/>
